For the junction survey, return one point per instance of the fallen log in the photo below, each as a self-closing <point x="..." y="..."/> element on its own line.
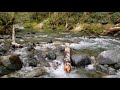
<point x="111" y="30"/>
<point x="114" y="29"/>
<point x="67" y="61"/>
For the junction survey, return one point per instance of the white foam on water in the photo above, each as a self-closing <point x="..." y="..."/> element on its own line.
<point x="63" y="33"/>
<point x="23" y="54"/>
<point x="90" y="67"/>
<point x="82" y="45"/>
<point x="94" y="43"/>
<point x="21" y="51"/>
<point x="43" y="36"/>
<point x="60" y="73"/>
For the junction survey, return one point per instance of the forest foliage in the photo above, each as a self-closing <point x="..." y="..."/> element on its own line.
<point x="62" y="21"/>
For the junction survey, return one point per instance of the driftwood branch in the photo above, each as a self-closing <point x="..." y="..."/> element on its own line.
<point x="14" y="44"/>
<point x="111" y="30"/>
<point x="67" y="61"/>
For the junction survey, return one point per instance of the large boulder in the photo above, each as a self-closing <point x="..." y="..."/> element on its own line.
<point x="12" y="62"/>
<point x="37" y="57"/>
<point x="108" y="57"/>
<point x="80" y="60"/>
<point x="40" y="56"/>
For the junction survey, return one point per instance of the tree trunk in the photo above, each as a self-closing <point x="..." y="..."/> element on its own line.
<point x="66" y="24"/>
<point x="13" y="34"/>
<point x="67" y="61"/>
<point x="85" y="13"/>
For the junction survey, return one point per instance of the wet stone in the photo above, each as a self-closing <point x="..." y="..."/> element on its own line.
<point x="51" y="55"/>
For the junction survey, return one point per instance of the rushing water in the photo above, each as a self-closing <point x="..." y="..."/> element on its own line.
<point x="87" y="45"/>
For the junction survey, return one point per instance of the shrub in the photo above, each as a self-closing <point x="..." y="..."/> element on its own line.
<point x="93" y="28"/>
<point x="115" y="17"/>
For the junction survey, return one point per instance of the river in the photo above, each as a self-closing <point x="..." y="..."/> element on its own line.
<point x="89" y="45"/>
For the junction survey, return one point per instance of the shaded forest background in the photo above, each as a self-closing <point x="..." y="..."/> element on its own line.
<point x="95" y="22"/>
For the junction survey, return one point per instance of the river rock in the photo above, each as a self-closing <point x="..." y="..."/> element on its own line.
<point x="108" y="57"/>
<point x="80" y="60"/>
<point x="3" y="70"/>
<point x="1" y="37"/>
<point x="40" y="56"/>
<point x="11" y="62"/>
<point x="30" y="47"/>
<point x="102" y="68"/>
<point x="75" y="40"/>
<point x="35" y="73"/>
<point x="33" y="33"/>
<point x="3" y="49"/>
<point x="111" y="71"/>
<point x="117" y="66"/>
<point x="49" y="41"/>
<point x="18" y="37"/>
<point x="37" y="57"/>
<point x="105" y="69"/>
<point x="51" y="55"/>
<point x="32" y="62"/>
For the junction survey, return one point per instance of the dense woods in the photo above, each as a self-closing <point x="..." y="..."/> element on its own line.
<point x="94" y="22"/>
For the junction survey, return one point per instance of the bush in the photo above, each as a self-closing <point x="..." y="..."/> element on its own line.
<point x="98" y="17"/>
<point x="30" y="24"/>
<point x="93" y="28"/>
<point x="115" y="17"/>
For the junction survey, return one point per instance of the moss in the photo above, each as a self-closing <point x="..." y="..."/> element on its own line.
<point x="91" y="74"/>
<point x="30" y="24"/>
<point x="53" y="29"/>
<point x="84" y="18"/>
<point x="1" y="31"/>
<point x="29" y="30"/>
<point x="16" y="63"/>
<point x="93" y="28"/>
<point x="115" y="17"/>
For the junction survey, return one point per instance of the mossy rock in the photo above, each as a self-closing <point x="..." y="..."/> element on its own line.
<point x="11" y="62"/>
